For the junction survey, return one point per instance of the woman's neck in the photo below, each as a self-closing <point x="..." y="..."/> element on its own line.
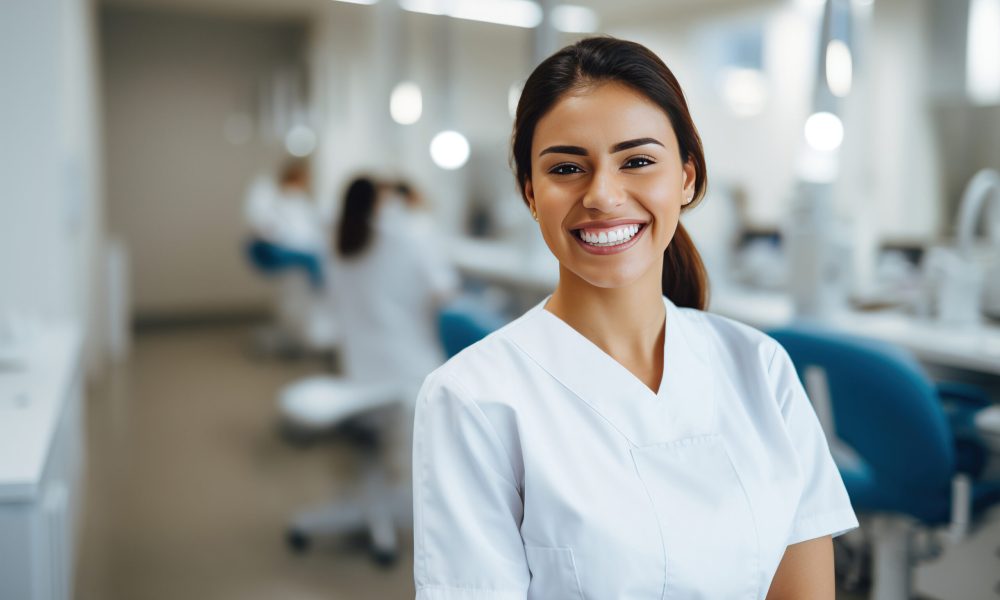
<point x="627" y="322"/>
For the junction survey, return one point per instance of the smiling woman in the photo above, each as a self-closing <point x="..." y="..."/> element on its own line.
<point x="616" y="441"/>
<point x="568" y="108"/>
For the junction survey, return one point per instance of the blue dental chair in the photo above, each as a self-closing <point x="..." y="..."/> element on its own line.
<point x="464" y="322"/>
<point x="272" y="259"/>
<point x="908" y="451"/>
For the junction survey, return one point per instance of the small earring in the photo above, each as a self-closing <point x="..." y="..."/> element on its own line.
<point x="534" y="215"/>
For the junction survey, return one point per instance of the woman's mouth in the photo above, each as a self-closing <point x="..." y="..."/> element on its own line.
<point x="609" y="240"/>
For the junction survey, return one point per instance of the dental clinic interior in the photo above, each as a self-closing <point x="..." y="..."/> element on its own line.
<point x="176" y="418"/>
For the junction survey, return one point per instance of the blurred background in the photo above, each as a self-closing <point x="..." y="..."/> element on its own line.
<point x="190" y="357"/>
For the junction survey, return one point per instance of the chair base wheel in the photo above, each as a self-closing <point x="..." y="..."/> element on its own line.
<point x="297" y="541"/>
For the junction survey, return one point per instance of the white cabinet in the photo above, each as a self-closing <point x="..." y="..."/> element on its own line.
<point x="41" y="468"/>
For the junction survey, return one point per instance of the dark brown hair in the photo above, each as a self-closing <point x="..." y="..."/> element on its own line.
<point x="598" y="60"/>
<point x="355" y="228"/>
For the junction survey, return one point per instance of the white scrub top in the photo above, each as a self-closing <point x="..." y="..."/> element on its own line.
<point x="543" y="468"/>
<point x="388" y="299"/>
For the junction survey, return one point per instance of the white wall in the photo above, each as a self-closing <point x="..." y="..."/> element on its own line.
<point x="175" y="183"/>
<point x="353" y="87"/>
<point x="51" y="218"/>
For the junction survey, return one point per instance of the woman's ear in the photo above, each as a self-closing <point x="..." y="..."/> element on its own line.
<point x="529" y="196"/>
<point x="690" y="177"/>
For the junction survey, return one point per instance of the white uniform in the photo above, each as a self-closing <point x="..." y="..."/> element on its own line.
<point x="286" y="218"/>
<point x="388" y="297"/>
<point x="544" y="469"/>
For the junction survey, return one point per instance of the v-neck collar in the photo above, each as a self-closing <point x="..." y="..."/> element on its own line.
<point x="684" y="406"/>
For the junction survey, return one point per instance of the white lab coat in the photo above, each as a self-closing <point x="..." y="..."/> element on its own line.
<point x="542" y="468"/>
<point x="287" y="218"/>
<point x="388" y="298"/>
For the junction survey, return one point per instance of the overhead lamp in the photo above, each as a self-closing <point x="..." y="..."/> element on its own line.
<point x="839" y="68"/>
<point x="449" y="150"/>
<point x="406" y="103"/>
<point x="300" y="141"/>
<point x="744" y="91"/>
<point x="982" y="68"/>
<point x="516" y="13"/>
<point x="824" y="131"/>
<point x="574" y="19"/>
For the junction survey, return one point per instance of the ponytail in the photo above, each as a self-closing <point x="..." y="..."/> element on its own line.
<point x="685" y="280"/>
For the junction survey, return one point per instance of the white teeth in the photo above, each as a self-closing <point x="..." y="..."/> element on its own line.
<point x="610" y="238"/>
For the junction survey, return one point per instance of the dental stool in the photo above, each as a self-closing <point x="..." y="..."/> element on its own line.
<point x="321" y="404"/>
<point x="910" y="454"/>
<point x="327" y="404"/>
<point x="305" y="319"/>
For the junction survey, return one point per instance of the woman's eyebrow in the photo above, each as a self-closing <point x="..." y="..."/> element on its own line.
<point x="576" y="150"/>
<point x="633" y="143"/>
<point x="581" y="151"/>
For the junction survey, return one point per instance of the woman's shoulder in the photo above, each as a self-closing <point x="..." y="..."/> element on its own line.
<point x="744" y="349"/>
<point x="487" y="367"/>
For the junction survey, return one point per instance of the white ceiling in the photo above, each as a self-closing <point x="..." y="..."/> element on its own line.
<point x="610" y="11"/>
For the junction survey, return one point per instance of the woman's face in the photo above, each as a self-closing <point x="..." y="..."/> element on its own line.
<point x="607" y="184"/>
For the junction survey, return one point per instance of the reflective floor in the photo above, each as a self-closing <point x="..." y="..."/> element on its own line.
<point x="189" y="485"/>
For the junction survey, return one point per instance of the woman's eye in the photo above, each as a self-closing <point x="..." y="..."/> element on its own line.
<point x="638" y="162"/>
<point x="565" y="169"/>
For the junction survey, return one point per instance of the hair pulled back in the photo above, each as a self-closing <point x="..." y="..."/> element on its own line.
<point x="355" y="229"/>
<point x="597" y="60"/>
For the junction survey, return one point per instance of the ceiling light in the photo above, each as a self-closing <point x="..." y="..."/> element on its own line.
<point x="449" y="150"/>
<point x="517" y="13"/>
<point x="824" y="131"/>
<point x="300" y="141"/>
<point x="574" y="19"/>
<point x="982" y="68"/>
<point x="406" y="103"/>
<point x="839" y="68"/>
<point x="744" y="90"/>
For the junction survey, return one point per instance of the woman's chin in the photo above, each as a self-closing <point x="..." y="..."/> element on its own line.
<point x="611" y="279"/>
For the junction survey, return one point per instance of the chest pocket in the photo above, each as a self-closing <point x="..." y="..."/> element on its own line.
<point x="708" y="530"/>
<point x="553" y="574"/>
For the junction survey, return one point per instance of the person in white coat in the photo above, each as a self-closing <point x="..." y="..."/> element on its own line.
<point x="616" y="441"/>
<point x="390" y="280"/>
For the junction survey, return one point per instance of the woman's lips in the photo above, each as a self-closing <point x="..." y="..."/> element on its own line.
<point x="608" y="247"/>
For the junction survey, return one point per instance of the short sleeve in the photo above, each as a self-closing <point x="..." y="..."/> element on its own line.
<point x="467" y="505"/>
<point x="824" y="507"/>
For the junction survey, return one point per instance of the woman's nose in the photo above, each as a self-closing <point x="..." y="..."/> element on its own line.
<point x="604" y="192"/>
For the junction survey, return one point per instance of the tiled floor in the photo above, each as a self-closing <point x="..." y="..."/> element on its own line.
<point x="189" y="486"/>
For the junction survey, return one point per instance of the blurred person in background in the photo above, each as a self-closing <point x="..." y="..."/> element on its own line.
<point x="390" y="283"/>
<point x="617" y="441"/>
<point x="287" y="241"/>
<point x="282" y="212"/>
<point x="403" y="202"/>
